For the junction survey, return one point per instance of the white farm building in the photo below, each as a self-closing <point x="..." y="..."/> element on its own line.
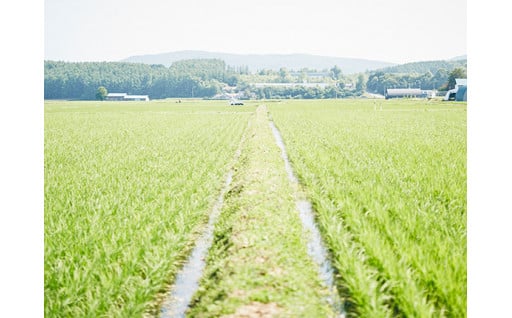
<point x="460" y="92"/>
<point x="126" y="97"/>
<point x="409" y="93"/>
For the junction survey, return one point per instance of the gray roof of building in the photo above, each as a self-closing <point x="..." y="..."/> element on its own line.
<point x="116" y="94"/>
<point x="404" y="91"/>
<point x="136" y="96"/>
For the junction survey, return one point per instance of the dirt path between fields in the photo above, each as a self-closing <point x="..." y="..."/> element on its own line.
<point x="261" y="254"/>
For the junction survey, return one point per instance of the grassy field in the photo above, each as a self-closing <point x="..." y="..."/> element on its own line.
<point x="389" y="188"/>
<point x="126" y="188"/>
<point x="129" y="186"/>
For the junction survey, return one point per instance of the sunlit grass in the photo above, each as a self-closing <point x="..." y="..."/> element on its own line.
<point x="389" y="187"/>
<point x="127" y="187"/>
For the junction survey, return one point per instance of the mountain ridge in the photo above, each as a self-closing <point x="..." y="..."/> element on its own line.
<point x="458" y="58"/>
<point x="255" y="62"/>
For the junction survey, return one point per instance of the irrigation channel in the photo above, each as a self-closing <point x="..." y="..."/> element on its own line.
<point x="316" y="248"/>
<point x="187" y="280"/>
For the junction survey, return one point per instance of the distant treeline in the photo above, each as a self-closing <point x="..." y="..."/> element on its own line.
<point x="439" y="75"/>
<point x="298" y="92"/>
<point x="441" y="79"/>
<point x="189" y="78"/>
<point x="205" y="78"/>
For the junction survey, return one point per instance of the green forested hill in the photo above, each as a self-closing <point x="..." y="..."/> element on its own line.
<point x="436" y="75"/>
<point x="192" y="78"/>
<point x="424" y="67"/>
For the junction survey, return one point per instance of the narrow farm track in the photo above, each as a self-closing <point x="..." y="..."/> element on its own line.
<point x="259" y="264"/>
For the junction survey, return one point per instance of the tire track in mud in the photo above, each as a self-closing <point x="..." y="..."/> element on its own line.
<point x="316" y="248"/>
<point x="186" y="283"/>
<point x="258" y="265"/>
<point x="257" y="193"/>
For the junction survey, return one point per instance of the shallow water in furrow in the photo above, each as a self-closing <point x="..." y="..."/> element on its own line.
<point x="187" y="280"/>
<point x="186" y="283"/>
<point x="316" y="248"/>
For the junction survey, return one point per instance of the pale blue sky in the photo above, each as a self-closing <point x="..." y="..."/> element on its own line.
<point x="393" y="30"/>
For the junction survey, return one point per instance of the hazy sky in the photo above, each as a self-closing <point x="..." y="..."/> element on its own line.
<point x="397" y="31"/>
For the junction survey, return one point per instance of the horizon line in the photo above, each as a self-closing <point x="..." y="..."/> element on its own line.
<point x="253" y="54"/>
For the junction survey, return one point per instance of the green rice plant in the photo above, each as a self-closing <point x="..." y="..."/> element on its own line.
<point x="389" y="188"/>
<point x="127" y="189"/>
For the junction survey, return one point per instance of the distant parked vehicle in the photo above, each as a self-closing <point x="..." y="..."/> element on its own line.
<point x="236" y="102"/>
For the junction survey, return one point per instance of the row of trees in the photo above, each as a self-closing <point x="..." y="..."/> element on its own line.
<point x="190" y="78"/>
<point x="442" y="80"/>
<point x="205" y="78"/>
<point x="298" y="92"/>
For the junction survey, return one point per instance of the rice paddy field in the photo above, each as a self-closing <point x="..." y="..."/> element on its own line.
<point x="126" y="188"/>
<point x="389" y="188"/>
<point x="129" y="187"/>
